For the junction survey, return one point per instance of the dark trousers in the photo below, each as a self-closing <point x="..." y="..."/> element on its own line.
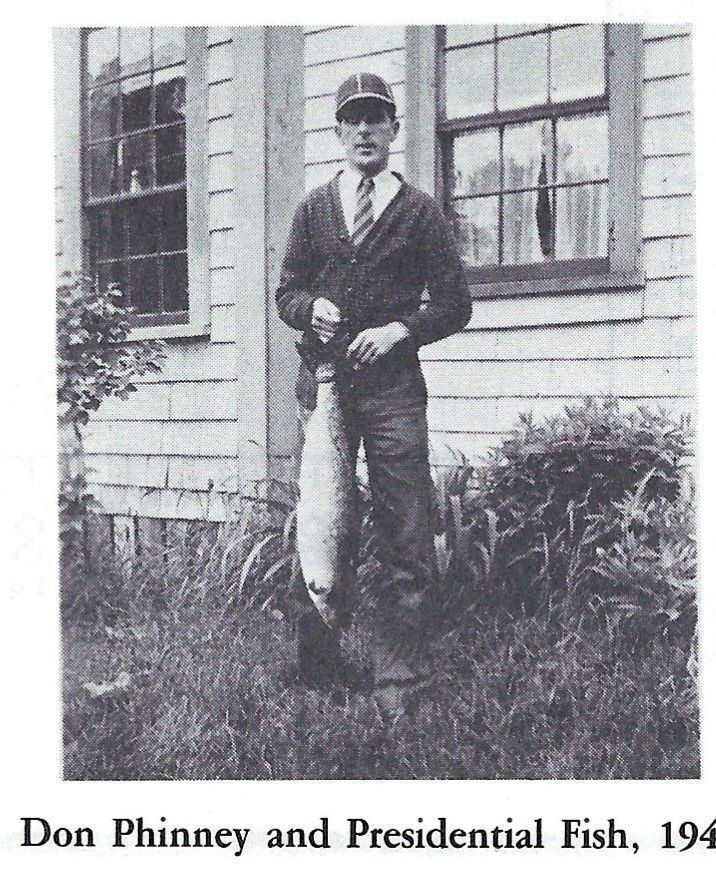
<point x="389" y="417"/>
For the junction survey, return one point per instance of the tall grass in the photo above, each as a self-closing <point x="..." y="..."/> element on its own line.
<point x="566" y="647"/>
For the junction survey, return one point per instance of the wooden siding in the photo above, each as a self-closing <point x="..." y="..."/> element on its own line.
<point x="284" y="188"/>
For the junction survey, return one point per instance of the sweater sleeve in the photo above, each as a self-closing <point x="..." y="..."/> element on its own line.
<point x="293" y="300"/>
<point x="450" y="302"/>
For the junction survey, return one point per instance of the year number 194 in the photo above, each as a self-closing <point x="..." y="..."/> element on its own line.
<point x="684" y="836"/>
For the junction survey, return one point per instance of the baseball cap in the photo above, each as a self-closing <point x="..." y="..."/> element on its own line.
<point x="363" y="86"/>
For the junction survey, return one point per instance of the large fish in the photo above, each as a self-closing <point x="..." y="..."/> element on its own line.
<point x="323" y="518"/>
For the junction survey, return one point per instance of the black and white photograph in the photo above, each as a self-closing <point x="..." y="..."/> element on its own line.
<point x="376" y="398"/>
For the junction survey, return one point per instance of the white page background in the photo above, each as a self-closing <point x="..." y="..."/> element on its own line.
<point x="30" y="714"/>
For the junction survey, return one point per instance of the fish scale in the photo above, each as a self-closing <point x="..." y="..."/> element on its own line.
<point x="324" y="506"/>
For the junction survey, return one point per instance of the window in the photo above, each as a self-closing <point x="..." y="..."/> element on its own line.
<point x="524" y="121"/>
<point x="135" y="163"/>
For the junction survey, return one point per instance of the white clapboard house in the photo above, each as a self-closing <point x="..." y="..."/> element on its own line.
<point x="563" y="153"/>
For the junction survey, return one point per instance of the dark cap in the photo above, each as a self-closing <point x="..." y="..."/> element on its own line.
<point x="363" y="86"/>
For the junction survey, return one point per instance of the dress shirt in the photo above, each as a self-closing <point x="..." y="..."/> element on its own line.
<point x="387" y="186"/>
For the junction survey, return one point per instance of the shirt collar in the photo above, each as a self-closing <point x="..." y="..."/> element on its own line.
<point x="354" y="178"/>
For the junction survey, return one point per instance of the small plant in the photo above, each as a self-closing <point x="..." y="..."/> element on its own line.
<point x="94" y="357"/>
<point x="95" y="360"/>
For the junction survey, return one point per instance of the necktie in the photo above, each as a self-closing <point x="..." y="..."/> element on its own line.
<point x="364" y="211"/>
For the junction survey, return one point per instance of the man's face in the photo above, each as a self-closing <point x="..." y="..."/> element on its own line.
<point x="366" y="131"/>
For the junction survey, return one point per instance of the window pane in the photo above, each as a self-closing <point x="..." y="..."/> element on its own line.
<point x="169" y="46"/>
<point x="470" y="81"/>
<point x="136" y="156"/>
<point x="527" y="227"/>
<point x="109" y="233"/>
<point x="525" y="145"/>
<point x="103" y="54"/>
<point x="144" y="285"/>
<point x="476" y="229"/>
<point x="476" y="162"/>
<point x="103" y="169"/>
<point x="582" y="148"/>
<point x="136" y="103"/>
<point x="143" y="225"/>
<point x="171" y="155"/>
<point x="522" y="72"/>
<point x="455" y="34"/>
<point x="577" y="63"/>
<point x="171" y="94"/>
<point x="135" y="50"/>
<point x="173" y="226"/>
<point x="104" y="111"/>
<point x="176" y="283"/>
<point x="582" y="221"/>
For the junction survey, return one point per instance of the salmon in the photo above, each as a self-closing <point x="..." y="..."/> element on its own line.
<point x="323" y="517"/>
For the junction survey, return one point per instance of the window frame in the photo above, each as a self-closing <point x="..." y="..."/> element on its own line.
<point x="196" y="320"/>
<point x="621" y="269"/>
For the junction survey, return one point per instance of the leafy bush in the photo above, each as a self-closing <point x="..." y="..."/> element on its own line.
<point x="531" y="519"/>
<point x="94" y="361"/>
<point x="94" y="358"/>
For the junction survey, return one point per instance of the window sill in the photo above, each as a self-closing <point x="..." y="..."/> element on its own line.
<point x="170" y="331"/>
<point x="595" y="283"/>
<point x="603" y="298"/>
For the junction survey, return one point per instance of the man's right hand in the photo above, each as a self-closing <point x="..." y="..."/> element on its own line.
<point x="325" y="319"/>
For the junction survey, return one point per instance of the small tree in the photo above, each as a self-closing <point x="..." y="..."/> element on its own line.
<point x="94" y="360"/>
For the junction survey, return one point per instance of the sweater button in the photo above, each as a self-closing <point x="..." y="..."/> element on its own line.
<point x="353" y="260"/>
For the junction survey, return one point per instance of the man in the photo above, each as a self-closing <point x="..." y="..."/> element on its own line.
<point x="362" y="250"/>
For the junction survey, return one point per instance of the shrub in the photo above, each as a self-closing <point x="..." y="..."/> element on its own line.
<point x="94" y="361"/>
<point x="530" y="520"/>
<point x="94" y="358"/>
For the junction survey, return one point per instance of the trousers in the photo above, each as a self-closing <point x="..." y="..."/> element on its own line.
<point x="390" y="421"/>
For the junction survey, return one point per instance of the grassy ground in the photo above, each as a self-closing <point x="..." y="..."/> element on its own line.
<point x="168" y="676"/>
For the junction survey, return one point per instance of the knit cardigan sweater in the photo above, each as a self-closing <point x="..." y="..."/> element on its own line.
<point x="409" y="249"/>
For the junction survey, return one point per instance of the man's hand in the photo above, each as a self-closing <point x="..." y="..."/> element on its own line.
<point x="371" y="344"/>
<point x="325" y="319"/>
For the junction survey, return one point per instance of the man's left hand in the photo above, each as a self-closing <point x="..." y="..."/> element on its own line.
<point x="371" y="344"/>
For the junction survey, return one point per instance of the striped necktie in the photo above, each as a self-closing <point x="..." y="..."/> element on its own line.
<point x="364" y="211"/>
